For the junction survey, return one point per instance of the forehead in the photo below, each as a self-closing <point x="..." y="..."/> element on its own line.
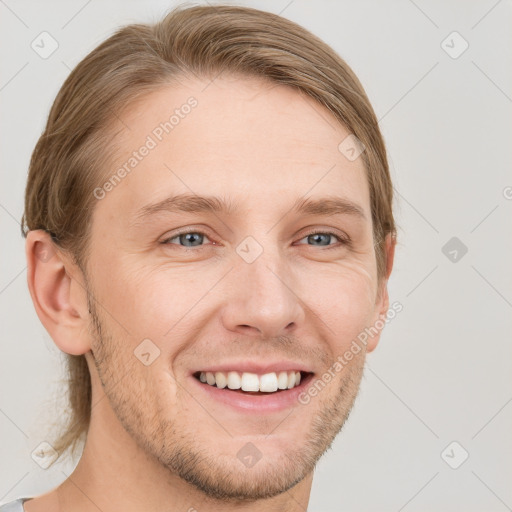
<point x="234" y="137"/>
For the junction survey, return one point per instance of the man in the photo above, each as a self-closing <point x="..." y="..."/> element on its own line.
<point x="209" y="231"/>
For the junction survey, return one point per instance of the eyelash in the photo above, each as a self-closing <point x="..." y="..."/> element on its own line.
<point x="341" y="240"/>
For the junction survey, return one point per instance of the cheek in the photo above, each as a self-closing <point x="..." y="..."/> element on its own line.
<point x="344" y="299"/>
<point x="156" y="303"/>
<point x="161" y="302"/>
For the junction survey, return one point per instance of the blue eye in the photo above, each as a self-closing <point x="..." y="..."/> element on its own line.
<point x="323" y="238"/>
<point x="190" y="239"/>
<point x="194" y="238"/>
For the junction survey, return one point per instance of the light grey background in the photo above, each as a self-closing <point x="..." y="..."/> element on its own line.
<point x="443" y="369"/>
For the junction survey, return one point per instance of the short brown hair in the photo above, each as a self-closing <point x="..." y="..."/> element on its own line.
<point x="68" y="161"/>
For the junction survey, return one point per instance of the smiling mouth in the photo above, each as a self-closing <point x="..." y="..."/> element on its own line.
<point x="252" y="383"/>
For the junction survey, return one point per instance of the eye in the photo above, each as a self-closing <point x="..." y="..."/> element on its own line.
<point x="191" y="239"/>
<point x="323" y="238"/>
<point x="187" y="239"/>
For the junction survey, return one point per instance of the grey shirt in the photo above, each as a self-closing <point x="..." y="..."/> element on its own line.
<point x="14" y="506"/>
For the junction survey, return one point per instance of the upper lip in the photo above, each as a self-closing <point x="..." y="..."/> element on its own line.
<point x="254" y="367"/>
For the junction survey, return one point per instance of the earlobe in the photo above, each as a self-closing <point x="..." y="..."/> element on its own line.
<point x="382" y="305"/>
<point x="60" y="302"/>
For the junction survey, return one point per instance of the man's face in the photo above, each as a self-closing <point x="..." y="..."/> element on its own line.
<point x="246" y="287"/>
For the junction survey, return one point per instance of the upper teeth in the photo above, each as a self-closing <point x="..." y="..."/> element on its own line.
<point x="251" y="381"/>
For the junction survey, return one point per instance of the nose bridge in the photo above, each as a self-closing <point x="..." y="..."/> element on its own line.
<point x="266" y="275"/>
<point x="262" y="296"/>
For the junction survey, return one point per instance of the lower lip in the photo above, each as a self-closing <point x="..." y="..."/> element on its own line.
<point x="264" y="403"/>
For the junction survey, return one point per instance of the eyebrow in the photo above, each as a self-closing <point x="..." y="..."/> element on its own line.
<point x="191" y="203"/>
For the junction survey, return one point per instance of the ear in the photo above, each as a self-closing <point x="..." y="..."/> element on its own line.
<point x="57" y="288"/>
<point x="382" y="303"/>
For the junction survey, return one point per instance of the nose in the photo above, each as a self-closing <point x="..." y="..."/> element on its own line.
<point x="262" y="299"/>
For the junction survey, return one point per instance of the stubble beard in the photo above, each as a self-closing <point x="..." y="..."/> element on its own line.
<point x="175" y="447"/>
